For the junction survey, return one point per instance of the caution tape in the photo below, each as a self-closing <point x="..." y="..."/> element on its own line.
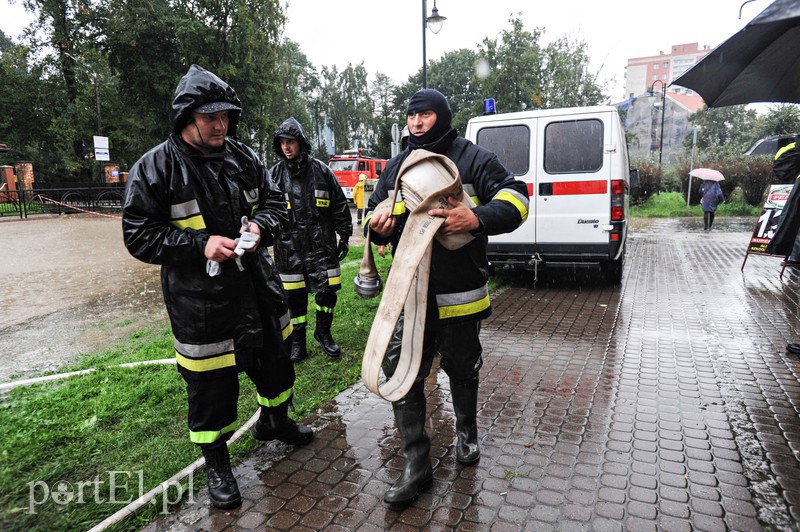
<point x="51" y="200"/>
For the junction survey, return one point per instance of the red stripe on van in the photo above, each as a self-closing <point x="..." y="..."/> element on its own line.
<point x="580" y="187"/>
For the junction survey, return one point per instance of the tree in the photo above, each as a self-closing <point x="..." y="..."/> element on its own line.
<point x="782" y="119"/>
<point x="723" y="130"/>
<point x="516" y="67"/>
<point x="347" y="102"/>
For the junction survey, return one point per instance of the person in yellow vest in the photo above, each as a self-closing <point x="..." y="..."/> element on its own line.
<point x="358" y="197"/>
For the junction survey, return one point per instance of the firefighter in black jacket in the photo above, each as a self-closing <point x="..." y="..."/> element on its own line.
<point x="786" y="241"/>
<point x="307" y="253"/>
<point x="183" y="209"/>
<point x="458" y="295"/>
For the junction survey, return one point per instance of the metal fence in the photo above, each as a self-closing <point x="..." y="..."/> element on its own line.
<point x="95" y="199"/>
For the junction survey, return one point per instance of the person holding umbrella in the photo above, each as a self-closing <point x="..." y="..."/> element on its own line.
<point x="710" y="192"/>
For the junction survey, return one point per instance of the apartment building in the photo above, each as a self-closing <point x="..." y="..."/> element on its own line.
<point x="642" y="73"/>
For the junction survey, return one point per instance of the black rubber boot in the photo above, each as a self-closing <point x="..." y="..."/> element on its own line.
<point x="322" y="334"/>
<point x="222" y="487"/>
<point x="299" y="350"/>
<point x="465" y="405"/>
<point x="409" y="415"/>
<point x="275" y="424"/>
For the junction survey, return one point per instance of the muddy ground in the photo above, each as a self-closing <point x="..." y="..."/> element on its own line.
<point x="69" y="287"/>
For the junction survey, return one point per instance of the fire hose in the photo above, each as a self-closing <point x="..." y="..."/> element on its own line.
<point x="424" y="182"/>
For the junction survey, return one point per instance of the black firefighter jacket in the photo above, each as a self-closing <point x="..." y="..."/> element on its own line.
<point x="307" y="250"/>
<point x="457" y="290"/>
<point x="176" y="198"/>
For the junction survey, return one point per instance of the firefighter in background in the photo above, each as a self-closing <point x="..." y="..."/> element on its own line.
<point x="307" y="253"/>
<point x="358" y="197"/>
<point x="183" y="208"/>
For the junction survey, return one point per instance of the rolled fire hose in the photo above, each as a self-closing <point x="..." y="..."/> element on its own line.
<point x="425" y="181"/>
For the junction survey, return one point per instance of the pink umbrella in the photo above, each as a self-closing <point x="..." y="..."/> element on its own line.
<point x="707" y="174"/>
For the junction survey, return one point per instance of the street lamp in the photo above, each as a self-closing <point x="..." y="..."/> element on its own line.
<point x="434" y="22"/>
<point x="663" y="109"/>
<point x="96" y="90"/>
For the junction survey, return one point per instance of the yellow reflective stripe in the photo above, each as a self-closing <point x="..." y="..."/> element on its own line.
<point x="253" y="210"/>
<point x="335" y="281"/>
<point x="195" y="222"/>
<point x="323" y="202"/>
<point x="464" y="309"/>
<point x="297" y="320"/>
<point x="329" y="310"/>
<point x="294" y="286"/>
<point x="476" y="200"/>
<point x="520" y="204"/>
<point x="279" y="400"/>
<point x="398" y="208"/>
<point x="210" y="436"/>
<point x="227" y="360"/>
<point x="785" y="149"/>
<point x="287" y="326"/>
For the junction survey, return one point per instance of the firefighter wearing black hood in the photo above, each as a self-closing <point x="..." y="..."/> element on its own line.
<point x="458" y="295"/>
<point x="307" y="253"/>
<point x="184" y="205"/>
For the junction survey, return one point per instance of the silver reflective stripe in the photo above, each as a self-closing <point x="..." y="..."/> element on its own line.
<point x="285" y="319"/>
<point x="470" y="190"/>
<point x="460" y="298"/>
<point x="335" y="272"/>
<point x="204" y="350"/>
<point x="322" y="194"/>
<point x="292" y="277"/>
<point x="251" y="195"/>
<point x="184" y="210"/>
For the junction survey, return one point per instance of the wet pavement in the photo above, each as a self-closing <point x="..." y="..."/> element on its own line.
<point x="666" y="403"/>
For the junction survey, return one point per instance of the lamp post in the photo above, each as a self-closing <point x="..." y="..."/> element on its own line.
<point x="96" y="82"/>
<point x="434" y="22"/>
<point x="663" y="110"/>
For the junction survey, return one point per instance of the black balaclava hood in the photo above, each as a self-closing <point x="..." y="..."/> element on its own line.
<point x="430" y="100"/>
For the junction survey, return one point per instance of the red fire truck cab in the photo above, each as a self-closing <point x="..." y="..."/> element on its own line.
<point x="349" y="165"/>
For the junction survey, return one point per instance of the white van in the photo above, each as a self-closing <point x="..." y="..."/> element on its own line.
<point x="575" y="162"/>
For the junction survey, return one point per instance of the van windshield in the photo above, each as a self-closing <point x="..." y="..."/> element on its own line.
<point x="337" y="166"/>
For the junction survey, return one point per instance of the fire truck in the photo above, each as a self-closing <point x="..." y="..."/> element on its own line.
<point x="352" y="163"/>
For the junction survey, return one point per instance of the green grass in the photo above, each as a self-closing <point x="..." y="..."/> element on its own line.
<point x="129" y="420"/>
<point x="673" y="205"/>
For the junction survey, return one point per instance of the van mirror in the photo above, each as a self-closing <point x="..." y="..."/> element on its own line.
<point x="633" y="173"/>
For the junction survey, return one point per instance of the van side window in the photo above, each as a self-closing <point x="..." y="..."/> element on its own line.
<point x="362" y="165"/>
<point x="511" y="144"/>
<point x="574" y="146"/>
<point x="378" y="168"/>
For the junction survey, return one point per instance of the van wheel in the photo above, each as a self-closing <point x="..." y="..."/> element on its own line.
<point x="613" y="269"/>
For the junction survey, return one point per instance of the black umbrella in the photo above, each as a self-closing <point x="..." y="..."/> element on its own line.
<point x="760" y="63"/>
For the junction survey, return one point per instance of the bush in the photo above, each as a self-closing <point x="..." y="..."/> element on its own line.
<point x="751" y="174"/>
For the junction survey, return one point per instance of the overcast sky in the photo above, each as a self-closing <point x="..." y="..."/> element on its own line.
<point x="387" y="35"/>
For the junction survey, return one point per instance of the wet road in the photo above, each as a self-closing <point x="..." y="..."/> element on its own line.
<point x="665" y="404"/>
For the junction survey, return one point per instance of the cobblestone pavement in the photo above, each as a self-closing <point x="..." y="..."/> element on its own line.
<point x="667" y="403"/>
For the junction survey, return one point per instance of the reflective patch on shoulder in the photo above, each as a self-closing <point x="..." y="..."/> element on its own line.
<point x="251" y="195"/>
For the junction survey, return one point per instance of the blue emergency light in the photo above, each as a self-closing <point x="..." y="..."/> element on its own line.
<point x="488" y="106"/>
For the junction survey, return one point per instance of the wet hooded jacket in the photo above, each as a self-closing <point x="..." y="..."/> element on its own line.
<point x="457" y="289"/>
<point x="787" y="169"/>
<point x="307" y="251"/>
<point x="175" y="199"/>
